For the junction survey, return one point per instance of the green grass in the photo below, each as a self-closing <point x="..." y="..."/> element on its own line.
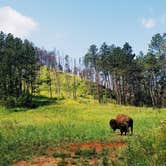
<point x="29" y="133"/>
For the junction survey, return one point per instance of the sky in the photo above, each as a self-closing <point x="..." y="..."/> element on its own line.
<point x="71" y="26"/>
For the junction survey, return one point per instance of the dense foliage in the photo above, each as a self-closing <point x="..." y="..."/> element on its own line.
<point x="137" y="80"/>
<point x="18" y="66"/>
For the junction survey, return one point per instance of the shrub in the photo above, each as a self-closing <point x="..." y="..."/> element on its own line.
<point x="10" y="102"/>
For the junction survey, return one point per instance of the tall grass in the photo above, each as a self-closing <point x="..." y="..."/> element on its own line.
<point x="148" y="148"/>
<point x="29" y="133"/>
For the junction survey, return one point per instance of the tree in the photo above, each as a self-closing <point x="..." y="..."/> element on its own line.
<point x="156" y="69"/>
<point x="103" y="64"/>
<point x="18" y="68"/>
<point x="67" y="77"/>
<point x="74" y="81"/>
<point x="91" y="60"/>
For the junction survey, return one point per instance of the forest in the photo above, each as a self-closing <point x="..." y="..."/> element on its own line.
<point x="133" y="79"/>
<point x="111" y="73"/>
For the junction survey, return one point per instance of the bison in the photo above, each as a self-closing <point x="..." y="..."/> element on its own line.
<point x="122" y="122"/>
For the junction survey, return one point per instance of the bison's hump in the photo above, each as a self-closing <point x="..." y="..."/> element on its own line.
<point x="122" y="118"/>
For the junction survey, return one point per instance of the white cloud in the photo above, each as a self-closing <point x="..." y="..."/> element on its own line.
<point x="149" y="23"/>
<point x="11" y="21"/>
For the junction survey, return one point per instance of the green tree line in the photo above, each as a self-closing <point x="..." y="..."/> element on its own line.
<point x="18" y="71"/>
<point x="137" y="80"/>
<point x="110" y="72"/>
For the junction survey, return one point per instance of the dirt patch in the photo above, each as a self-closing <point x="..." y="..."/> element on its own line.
<point x="99" y="146"/>
<point x="51" y="161"/>
<point x="45" y="161"/>
<point x="67" y="154"/>
<point x="40" y="161"/>
<point x="20" y="163"/>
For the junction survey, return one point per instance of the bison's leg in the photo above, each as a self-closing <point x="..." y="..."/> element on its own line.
<point x="131" y="126"/>
<point x="121" y="131"/>
<point x="131" y="130"/>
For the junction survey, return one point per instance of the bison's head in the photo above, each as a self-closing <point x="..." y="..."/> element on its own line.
<point x="124" y="126"/>
<point x="113" y="124"/>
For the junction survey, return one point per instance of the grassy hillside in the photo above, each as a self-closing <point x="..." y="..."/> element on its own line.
<point x="44" y="89"/>
<point x="77" y="132"/>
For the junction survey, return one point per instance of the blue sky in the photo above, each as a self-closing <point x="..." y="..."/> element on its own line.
<point x="71" y="26"/>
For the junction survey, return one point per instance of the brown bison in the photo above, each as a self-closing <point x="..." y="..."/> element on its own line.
<point x="122" y="122"/>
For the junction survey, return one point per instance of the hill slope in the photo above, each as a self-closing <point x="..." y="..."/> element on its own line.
<point x="74" y="132"/>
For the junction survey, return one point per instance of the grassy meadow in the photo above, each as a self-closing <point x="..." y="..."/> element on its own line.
<point x="25" y="134"/>
<point x="68" y="130"/>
